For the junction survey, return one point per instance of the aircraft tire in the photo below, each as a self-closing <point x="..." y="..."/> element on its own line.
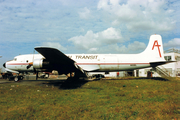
<point x="21" y="78"/>
<point x="72" y="74"/>
<point x="16" y="79"/>
<point x="46" y="76"/>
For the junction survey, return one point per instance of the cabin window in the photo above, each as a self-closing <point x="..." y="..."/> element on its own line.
<point x="27" y="61"/>
<point x="167" y="58"/>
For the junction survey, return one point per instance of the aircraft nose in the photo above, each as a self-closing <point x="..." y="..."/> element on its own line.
<point x="4" y="65"/>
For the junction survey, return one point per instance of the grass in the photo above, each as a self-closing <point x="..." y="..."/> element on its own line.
<point x="125" y="99"/>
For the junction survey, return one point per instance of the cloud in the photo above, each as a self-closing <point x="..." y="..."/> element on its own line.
<point x="53" y="39"/>
<point x="36" y="20"/>
<point x="81" y="26"/>
<point x="173" y="43"/>
<point x="85" y="13"/>
<point x="54" y="45"/>
<point x="93" y="40"/>
<point x="138" y="15"/>
<point x="112" y="48"/>
<point x="107" y="41"/>
<point x="135" y="47"/>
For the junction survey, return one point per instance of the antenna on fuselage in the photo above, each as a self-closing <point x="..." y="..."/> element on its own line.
<point x="33" y="56"/>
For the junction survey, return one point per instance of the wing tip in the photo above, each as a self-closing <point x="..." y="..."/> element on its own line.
<point x="44" y="47"/>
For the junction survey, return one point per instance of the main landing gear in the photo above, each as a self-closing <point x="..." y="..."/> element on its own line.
<point x="16" y="78"/>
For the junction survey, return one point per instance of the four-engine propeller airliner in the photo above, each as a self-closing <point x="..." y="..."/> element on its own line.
<point x="52" y="59"/>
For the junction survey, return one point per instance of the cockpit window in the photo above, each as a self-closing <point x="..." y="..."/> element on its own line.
<point x="15" y="59"/>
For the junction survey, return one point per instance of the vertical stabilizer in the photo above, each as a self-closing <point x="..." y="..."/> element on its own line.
<point x="154" y="50"/>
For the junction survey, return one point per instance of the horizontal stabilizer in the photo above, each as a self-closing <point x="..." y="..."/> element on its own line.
<point x="154" y="64"/>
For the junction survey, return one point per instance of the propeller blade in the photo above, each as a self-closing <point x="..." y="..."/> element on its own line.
<point x="30" y="64"/>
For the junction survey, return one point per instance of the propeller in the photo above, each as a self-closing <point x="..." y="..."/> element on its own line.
<point x="31" y="64"/>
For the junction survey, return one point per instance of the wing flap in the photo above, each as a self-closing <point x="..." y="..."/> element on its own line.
<point x="89" y="67"/>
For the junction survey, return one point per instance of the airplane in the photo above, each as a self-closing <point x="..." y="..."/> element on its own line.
<point x="78" y="65"/>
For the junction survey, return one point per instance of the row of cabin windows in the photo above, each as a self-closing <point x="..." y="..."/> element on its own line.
<point x="15" y="59"/>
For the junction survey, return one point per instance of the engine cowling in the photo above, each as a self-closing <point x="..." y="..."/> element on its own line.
<point x="40" y="63"/>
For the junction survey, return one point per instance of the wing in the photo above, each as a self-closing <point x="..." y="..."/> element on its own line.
<point x="54" y="55"/>
<point x="59" y="61"/>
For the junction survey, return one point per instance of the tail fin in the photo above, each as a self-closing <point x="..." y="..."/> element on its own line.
<point x="154" y="50"/>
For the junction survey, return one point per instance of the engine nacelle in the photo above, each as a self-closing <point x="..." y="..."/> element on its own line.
<point x="40" y="63"/>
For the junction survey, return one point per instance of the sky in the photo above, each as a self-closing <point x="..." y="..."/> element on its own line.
<point x="86" y="26"/>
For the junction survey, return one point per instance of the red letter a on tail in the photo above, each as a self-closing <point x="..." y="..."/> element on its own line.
<point x="157" y="45"/>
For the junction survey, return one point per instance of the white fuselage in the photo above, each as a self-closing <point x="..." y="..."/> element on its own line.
<point x="88" y="62"/>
